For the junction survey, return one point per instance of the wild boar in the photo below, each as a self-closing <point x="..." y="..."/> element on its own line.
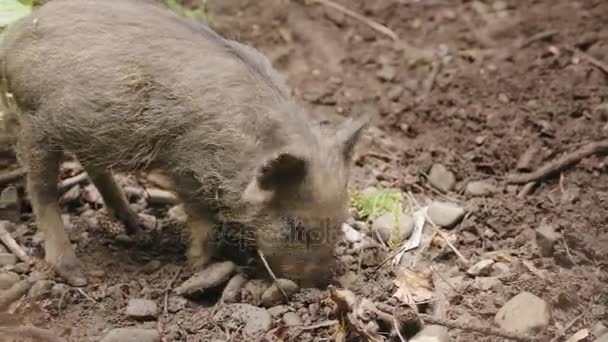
<point x="126" y="85"/>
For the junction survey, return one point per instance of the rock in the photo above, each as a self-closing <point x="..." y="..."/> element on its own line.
<point x="21" y="268"/>
<point x="598" y="329"/>
<point x="480" y="188"/>
<point x="176" y="304"/>
<point x="132" y="335"/>
<point x="441" y="178"/>
<point x="8" y="279"/>
<point x="351" y="234"/>
<point x="232" y="291"/>
<point x="445" y="214"/>
<point x="395" y="92"/>
<point x="432" y="333"/>
<point x="151" y="267"/>
<point x="253" y="290"/>
<point x="40" y="289"/>
<point x="71" y="196"/>
<point x="178" y="214"/>
<point x="387" y="73"/>
<point x="385" y="226"/>
<point x="273" y="296"/>
<point x="546" y="237"/>
<point x="486" y="283"/>
<point x="141" y="309"/>
<point x="481" y="268"/>
<point x="601" y="111"/>
<point x="523" y="314"/>
<point x="59" y="290"/>
<point x="500" y="268"/>
<point x="3" y="249"/>
<point x="213" y="275"/>
<point x="257" y="320"/>
<point x="292" y="319"/>
<point x="7" y="259"/>
<point x="602" y="338"/>
<point x="147" y="221"/>
<point x="278" y="310"/>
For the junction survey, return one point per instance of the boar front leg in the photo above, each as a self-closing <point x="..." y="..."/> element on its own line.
<point x="200" y="227"/>
<point x="115" y="200"/>
<point x="41" y="182"/>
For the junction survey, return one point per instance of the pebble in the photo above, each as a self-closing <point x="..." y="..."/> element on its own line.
<point x="273" y="296"/>
<point x="141" y="309"/>
<point x="213" y="275"/>
<point x="278" y="310"/>
<point x="385" y="224"/>
<point x="292" y="319"/>
<point x="151" y="267"/>
<point x="257" y="320"/>
<point x="480" y="188"/>
<point x="481" y="268"/>
<point x="8" y="279"/>
<point x="176" y="304"/>
<point x="387" y="73"/>
<point x="148" y="221"/>
<point x="132" y="335"/>
<point x="441" y="178"/>
<point x="7" y="259"/>
<point x="40" y="289"/>
<point x="445" y="214"/>
<point x="500" y="268"/>
<point x="59" y="290"/>
<point x="598" y="329"/>
<point x="395" y="92"/>
<point x="523" y="314"/>
<point x="432" y="333"/>
<point x="351" y="234"/>
<point x="546" y="237"/>
<point x="232" y="291"/>
<point x="486" y="283"/>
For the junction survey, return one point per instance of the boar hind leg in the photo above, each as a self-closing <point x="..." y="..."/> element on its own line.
<point x="114" y="199"/>
<point x="200" y="228"/>
<point x="42" y="178"/>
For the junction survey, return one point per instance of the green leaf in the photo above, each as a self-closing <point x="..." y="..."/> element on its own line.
<point x="373" y="204"/>
<point x="13" y="10"/>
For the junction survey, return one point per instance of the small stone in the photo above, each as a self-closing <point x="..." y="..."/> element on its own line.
<point x="178" y="214"/>
<point x="292" y="319"/>
<point x="59" y="290"/>
<point x="176" y="304"/>
<point x="7" y="259"/>
<point x="523" y="314"/>
<point x="71" y="196"/>
<point x="148" y="221"/>
<point x="395" y="92"/>
<point x="546" y="237"/>
<point x="387" y="73"/>
<point x="232" y="291"/>
<point x="441" y="178"/>
<point x="445" y="214"/>
<point x="486" y="283"/>
<point x="132" y="335"/>
<point x="500" y="268"/>
<point x="479" y="140"/>
<point x="598" y="329"/>
<point x="40" y="289"/>
<point x="8" y="279"/>
<point x="482" y="268"/>
<point x="602" y="112"/>
<point x="273" y="296"/>
<point x="97" y="273"/>
<point x="385" y="226"/>
<point x="141" y="309"/>
<point x="432" y="333"/>
<point x="278" y="310"/>
<point x="151" y="267"/>
<point x="480" y="188"/>
<point x="351" y="234"/>
<point x="257" y="320"/>
<point x="503" y="98"/>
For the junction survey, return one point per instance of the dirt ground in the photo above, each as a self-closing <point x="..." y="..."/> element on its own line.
<point x="467" y="88"/>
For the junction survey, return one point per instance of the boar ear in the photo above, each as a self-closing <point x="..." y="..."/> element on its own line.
<point x="275" y="174"/>
<point x="348" y="134"/>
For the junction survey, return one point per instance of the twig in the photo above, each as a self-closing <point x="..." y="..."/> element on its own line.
<point x="590" y="59"/>
<point x="374" y="25"/>
<point x="67" y="183"/>
<point x="472" y="328"/>
<point x="398" y="328"/>
<point x="261" y="254"/>
<point x="567" y="327"/>
<point x="11" y="244"/>
<point x="429" y="83"/>
<point x="536" y="37"/>
<point x="85" y="295"/>
<point x="32" y="332"/>
<point x="440" y="233"/>
<point x="526" y="190"/>
<point x="168" y="289"/>
<point x="11" y="176"/>
<point x="561" y="163"/>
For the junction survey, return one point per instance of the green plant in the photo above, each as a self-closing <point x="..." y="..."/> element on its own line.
<point x="371" y="204"/>
<point x="13" y="10"/>
<point x="200" y="13"/>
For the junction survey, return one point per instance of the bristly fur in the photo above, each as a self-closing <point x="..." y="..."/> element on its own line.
<point x="125" y="85"/>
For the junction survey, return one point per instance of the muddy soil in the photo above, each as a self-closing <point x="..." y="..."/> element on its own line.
<point x="471" y="85"/>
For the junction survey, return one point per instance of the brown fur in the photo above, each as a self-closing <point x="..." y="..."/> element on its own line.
<point x="127" y="86"/>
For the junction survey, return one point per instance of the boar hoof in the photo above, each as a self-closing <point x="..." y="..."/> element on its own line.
<point x="70" y="269"/>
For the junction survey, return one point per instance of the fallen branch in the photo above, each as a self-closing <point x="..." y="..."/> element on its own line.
<point x="11" y="176"/>
<point x="11" y="244"/>
<point x="30" y="331"/>
<point x="590" y="59"/>
<point x="561" y="163"/>
<point x="374" y="25"/>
